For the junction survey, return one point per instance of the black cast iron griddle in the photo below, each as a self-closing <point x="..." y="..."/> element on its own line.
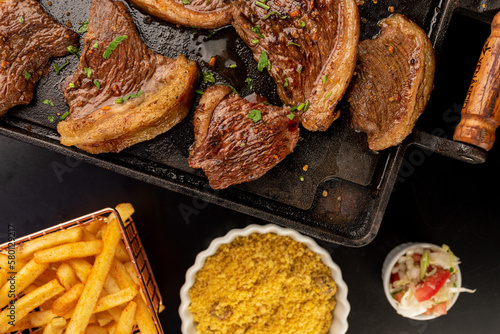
<point x="346" y="187"/>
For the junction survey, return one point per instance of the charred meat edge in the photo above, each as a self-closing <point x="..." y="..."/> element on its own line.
<point x="188" y="14"/>
<point x="416" y="91"/>
<point x="21" y="21"/>
<point x="338" y="70"/>
<point x="237" y="167"/>
<point x="100" y="125"/>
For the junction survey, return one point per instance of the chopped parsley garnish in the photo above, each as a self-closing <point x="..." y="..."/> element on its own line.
<point x="263" y="61"/>
<point x="21" y="19"/>
<point x="87" y="71"/>
<point x="302" y="24"/>
<point x="262" y="5"/>
<point x="325" y="78"/>
<point x="48" y="102"/>
<point x="255" y="41"/>
<point x="306" y="106"/>
<point x="291" y="116"/>
<point x="300" y="69"/>
<point x="233" y="66"/>
<point x="71" y="85"/>
<point x="59" y="68"/>
<point x="132" y="96"/>
<point x="301" y="106"/>
<point x="328" y="95"/>
<point x="208" y="77"/>
<point x="128" y="97"/>
<point x="301" y="178"/>
<point x="186" y="2"/>
<point x="27" y="75"/>
<point x="249" y="83"/>
<point x="256" y="29"/>
<point x="84" y="27"/>
<point x="96" y="45"/>
<point x="275" y="12"/>
<point x="285" y="83"/>
<point x="73" y="50"/>
<point x="292" y="43"/>
<point x="233" y="89"/>
<point x="199" y="92"/>
<point x="50" y="118"/>
<point x="255" y="115"/>
<point x="63" y="116"/>
<point x="97" y="84"/>
<point x="113" y="45"/>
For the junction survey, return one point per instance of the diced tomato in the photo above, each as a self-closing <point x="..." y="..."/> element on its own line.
<point x="416" y="257"/>
<point x="398" y="296"/>
<point x="431" y="285"/>
<point x="394" y="277"/>
<point x="440" y="309"/>
<point x="429" y="311"/>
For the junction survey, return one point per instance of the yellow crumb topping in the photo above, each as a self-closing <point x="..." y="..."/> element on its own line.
<point x="263" y="283"/>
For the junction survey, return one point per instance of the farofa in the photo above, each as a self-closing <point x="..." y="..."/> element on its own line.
<point x="263" y="283"/>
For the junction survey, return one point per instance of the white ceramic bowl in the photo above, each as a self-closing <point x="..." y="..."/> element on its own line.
<point x="391" y="260"/>
<point x="340" y="312"/>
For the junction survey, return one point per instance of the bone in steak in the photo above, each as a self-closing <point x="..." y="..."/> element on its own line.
<point x="237" y="140"/>
<point x="206" y="14"/>
<point x="310" y="46"/>
<point x="29" y="37"/>
<point x="122" y="92"/>
<point x="393" y="82"/>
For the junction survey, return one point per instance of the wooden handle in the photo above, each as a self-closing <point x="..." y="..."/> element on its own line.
<point x="481" y="109"/>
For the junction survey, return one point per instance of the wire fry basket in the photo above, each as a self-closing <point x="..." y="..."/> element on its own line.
<point x="133" y="245"/>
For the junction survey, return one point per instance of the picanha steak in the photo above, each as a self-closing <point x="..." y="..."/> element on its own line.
<point x="238" y="140"/>
<point x="308" y="47"/>
<point x="206" y="14"/>
<point x="29" y="37"/>
<point x="393" y="82"/>
<point x="122" y="92"/>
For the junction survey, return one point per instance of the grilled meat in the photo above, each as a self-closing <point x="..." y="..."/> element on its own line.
<point x="206" y="14"/>
<point x="237" y="140"/>
<point x="122" y="92"/>
<point x="393" y="82"/>
<point x="309" y="47"/>
<point x="29" y="37"/>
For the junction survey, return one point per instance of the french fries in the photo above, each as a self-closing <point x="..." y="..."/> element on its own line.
<point x="74" y="281"/>
<point x="127" y="319"/>
<point x="50" y="240"/>
<point x="28" y="303"/>
<point x="55" y="326"/>
<point x="27" y="275"/>
<point x="69" y="251"/>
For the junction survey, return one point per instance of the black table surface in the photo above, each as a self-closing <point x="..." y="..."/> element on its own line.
<point x="436" y="200"/>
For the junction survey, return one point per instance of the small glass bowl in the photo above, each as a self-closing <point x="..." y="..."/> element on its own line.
<point x="391" y="260"/>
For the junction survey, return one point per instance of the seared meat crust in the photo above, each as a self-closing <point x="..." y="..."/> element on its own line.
<point x="232" y="148"/>
<point x="130" y="96"/>
<point x="311" y="45"/>
<point x="29" y="37"/>
<point x="393" y="82"/>
<point x="198" y="13"/>
<point x="311" y="51"/>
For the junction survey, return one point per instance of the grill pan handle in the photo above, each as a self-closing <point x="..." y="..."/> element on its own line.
<point x="449" y="148"/>
<point x="481" y="109"/>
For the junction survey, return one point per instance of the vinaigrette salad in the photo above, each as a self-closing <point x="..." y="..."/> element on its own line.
<point x="424" y="281"/>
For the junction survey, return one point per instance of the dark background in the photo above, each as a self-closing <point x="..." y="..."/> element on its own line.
<point x="436" y="200"/>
